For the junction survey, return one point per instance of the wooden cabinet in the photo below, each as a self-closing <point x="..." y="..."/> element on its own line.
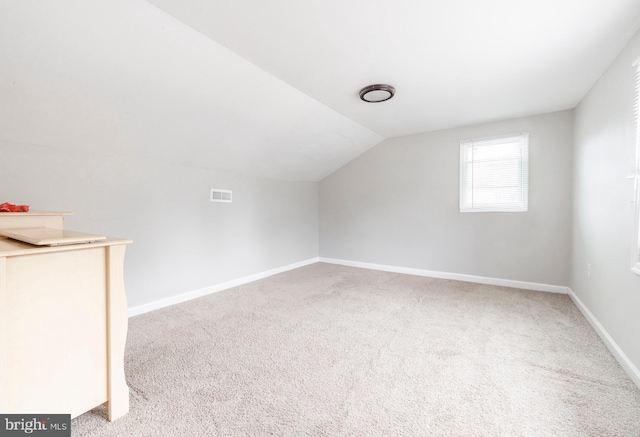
<point x="63" y="323"/>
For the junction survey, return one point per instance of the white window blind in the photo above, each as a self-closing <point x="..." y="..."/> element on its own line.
<point x="635" y="261"/>
<point x="494" y="174"/>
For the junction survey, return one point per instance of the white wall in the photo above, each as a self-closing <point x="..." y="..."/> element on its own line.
<point x="604" y="154"/>
<point x="182" y="242"/>
<point x="397" y="205"/>
<point x="127" y="117"/>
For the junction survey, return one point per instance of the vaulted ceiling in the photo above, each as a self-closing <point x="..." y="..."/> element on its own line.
<point x="453" y="62"/>
<point x="271" y="88"/>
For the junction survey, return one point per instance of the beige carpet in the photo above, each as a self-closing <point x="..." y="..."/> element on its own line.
<point x="328" y="350"/>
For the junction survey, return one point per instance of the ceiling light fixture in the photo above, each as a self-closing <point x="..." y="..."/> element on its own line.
<point x="377" y="93"/>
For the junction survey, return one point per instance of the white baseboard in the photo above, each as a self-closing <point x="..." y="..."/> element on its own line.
<point x="161" y="303"/>
<point x="619" y="355"/>
<point x="455" y="276"/>
<point x="145" y="308"/>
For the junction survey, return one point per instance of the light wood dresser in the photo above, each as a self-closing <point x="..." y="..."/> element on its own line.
<point x="63" y="323"/>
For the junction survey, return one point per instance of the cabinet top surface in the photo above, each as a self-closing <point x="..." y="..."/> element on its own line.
<point x="28" y="222"/>
<point x="13" y="214"/>
<point x="42" y="236"/>
<point x="9" y="247"/>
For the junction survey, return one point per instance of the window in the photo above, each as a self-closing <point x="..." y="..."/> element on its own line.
<point x="635" y="261"/>
<point x="494" y="174"/>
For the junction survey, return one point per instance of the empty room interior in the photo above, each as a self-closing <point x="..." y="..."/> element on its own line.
<point x="360" y="218"/>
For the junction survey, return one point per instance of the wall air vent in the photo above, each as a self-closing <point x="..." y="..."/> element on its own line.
<point x="221" y="195"/>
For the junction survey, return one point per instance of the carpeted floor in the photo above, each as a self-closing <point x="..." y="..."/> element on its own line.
<point x="327" y="350"/>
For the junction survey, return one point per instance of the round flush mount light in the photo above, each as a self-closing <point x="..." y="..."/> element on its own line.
<point x="377" y="93"/>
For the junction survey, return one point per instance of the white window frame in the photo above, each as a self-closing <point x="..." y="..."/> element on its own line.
<point x="466" y="204"/>
<point x="635" y="253"/>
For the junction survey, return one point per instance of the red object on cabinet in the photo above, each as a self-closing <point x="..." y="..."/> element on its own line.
<point x="8" y="207"/>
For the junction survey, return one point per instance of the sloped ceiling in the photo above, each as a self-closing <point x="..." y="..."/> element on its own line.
<point x="453" y="62"/>
<point x="270" y="88"/>
<point x="124" y="78"/>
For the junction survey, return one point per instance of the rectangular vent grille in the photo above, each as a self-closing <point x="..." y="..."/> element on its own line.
<point x="221" y="195"/>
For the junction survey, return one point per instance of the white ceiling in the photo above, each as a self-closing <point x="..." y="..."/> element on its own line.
<point x="453" y="62"/>
<point x="122" y="78"/>
<point x="271" y="87"/>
